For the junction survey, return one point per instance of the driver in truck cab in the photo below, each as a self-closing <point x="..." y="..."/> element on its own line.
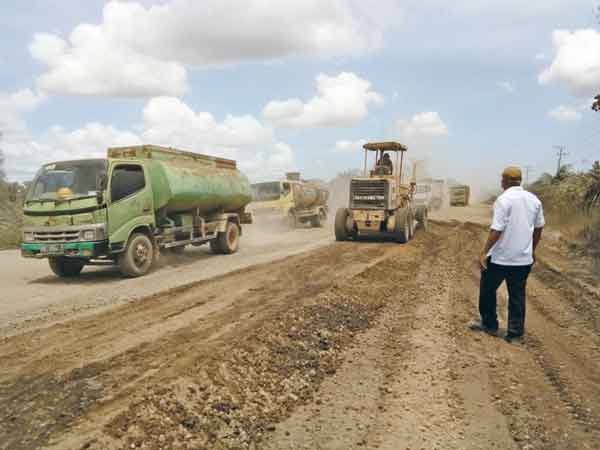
<point x="385" y="165"/>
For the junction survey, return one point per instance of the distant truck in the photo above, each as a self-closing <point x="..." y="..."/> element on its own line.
<point x="128" y="207"/>
<point x="431" y="193"/>
<point x="293" y="201"/>
<point x="460" y="195"/>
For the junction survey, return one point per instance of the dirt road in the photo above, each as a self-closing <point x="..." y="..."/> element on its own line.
<point x="31" y="295"/>
<point x="347" y="346"/>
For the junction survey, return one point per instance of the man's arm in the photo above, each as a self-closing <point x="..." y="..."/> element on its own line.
<point x="491" y="241"/>
<point x="537" y="237"/>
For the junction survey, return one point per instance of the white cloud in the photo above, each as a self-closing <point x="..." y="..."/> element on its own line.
<point x="564" y="113"/>
<point x="143" y="51"/>
<point x="95" y="63"/>
<point x="349" y="146"/>
<point x="13" y="106"/>
<point x="422" y="125"/>
<point x="25" y="153"/>
<point x="507" y="86"/>
<point x="540" y="57"/>
<point x="165" y="121"/>
<point x="169" y="121"/>
<point x="341" y="101"/>
<point x="576" y="63"/>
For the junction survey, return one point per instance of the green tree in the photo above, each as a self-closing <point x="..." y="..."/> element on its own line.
<point x="592" y="196"/>
<point x="563" y="173"/>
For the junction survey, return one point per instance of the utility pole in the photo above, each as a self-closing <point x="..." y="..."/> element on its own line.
<point x="561" y="153"/>
<point x="528" y="169"/>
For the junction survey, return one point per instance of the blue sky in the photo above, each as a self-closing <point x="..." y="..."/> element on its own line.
<point x="299" y="84"/>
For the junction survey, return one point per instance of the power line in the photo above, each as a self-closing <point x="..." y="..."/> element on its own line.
<point x="561" y="153"/>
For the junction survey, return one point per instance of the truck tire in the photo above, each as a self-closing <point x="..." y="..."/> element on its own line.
<point x="421" y="215"/>
<point x="424" y="222"/>
<point x="292" y="220"/>
<point x="402" y="231"/>
<point x="341" y="217"/>
<point x="138" y="256"/>
<point x="66" y="267"/>
<point x="319" y="220"/>
<point x="227" y="242"/>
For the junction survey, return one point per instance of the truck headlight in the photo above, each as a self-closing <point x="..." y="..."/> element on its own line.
<point x="88" y="235"/>
<point x="28" y="236"/>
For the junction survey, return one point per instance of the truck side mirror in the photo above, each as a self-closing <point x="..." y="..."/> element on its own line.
<point x="101" y="183"/>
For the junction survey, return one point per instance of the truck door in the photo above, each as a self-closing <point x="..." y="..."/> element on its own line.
<point x="130" y="201"/>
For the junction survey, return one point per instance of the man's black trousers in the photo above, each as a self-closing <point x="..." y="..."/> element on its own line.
<point x="516" y="282"/>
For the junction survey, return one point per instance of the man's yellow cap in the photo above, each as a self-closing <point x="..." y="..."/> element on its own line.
<point x="512" y="172"/>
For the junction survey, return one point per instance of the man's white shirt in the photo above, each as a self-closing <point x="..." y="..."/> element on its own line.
<point x="516" y="214"/>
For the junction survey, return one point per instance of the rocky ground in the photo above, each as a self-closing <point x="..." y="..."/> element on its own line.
<point x="347" y="346"/>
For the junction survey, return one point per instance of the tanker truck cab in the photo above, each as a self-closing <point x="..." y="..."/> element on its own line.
<point x="63" y="218"/>
<point x="129" y="203"/>
<point x="128" y="208"/>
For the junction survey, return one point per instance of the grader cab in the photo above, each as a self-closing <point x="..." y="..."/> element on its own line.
<point x="381" y="201"/>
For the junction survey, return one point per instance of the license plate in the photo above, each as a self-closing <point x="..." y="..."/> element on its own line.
<point x="52" y="249"/>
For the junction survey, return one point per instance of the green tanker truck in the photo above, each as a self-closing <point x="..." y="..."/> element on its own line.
<point x="128" y="207"/>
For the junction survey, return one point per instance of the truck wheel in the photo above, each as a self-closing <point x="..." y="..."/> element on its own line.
<point x="227" y="242"/>
<point x="65" y="267"/>
<point x="215" y="246"/>
<point x="319" y="220"/>
<point x="402" y="229"/>
<point x="138" y="257"/>
<point x="341" y="217"/>
<point x="421" y="214"/>
<point x="292" y="220"/>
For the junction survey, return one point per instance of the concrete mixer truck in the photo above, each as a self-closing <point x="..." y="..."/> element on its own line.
<point x="292" y="201"/>
<point x="126" y="208"/>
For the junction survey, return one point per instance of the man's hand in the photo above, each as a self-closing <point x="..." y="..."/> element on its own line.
<point x="483" y="261"/>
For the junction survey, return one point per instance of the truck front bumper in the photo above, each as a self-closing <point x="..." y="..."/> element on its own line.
<point x="86" y="250"/>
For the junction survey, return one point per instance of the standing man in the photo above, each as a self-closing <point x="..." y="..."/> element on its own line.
<point x="509" y="254"/>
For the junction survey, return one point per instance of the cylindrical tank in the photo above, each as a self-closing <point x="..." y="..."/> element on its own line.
<point x="309" y="195"/>
<point x="183" y="181"/>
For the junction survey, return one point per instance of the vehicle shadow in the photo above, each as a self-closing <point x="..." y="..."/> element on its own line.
<point x="106" y="273"/>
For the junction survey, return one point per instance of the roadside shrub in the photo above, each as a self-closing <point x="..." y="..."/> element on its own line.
<point x="572" y="203"/>
<point x="10" y="219"/>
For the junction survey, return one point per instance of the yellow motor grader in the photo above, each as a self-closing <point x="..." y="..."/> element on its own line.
<point x="381" y="203"/>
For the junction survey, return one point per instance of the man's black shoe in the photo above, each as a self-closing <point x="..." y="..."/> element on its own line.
<point x="477" y="325"/>
<point x="513" y="338"/>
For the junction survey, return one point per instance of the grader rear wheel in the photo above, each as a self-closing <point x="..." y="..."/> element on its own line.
<point x="402" y="231"/>
<point x="341" y="217"/>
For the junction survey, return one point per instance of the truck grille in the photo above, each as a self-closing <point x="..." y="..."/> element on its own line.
<point x="369" y="194"/>
<point x="56" y="236"/>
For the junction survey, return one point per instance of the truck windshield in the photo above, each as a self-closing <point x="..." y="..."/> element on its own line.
<point x="67" y="180"/>
<point x="266" y="191"/>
